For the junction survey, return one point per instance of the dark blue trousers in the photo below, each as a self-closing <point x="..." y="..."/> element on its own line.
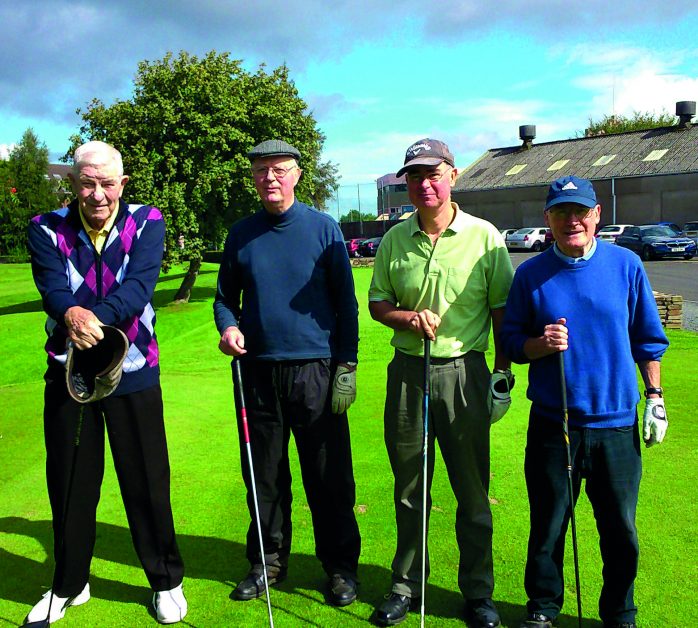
<point x="287" y="397"/>
<point x="609" y="460"/>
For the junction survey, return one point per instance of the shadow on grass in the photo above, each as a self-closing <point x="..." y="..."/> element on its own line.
<point x="171" y="277"/>
<point x="218" y="560"/>
<point x="161" y="298"/>
<point x="22" y="308"/>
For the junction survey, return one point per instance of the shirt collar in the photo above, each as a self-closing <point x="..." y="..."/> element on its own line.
<point x="457" y="224"/>
<point x="575" y="260"/>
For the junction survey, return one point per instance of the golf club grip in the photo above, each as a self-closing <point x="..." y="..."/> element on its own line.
<point x="563" y="382"/>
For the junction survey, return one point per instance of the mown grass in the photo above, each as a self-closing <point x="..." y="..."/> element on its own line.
<point x="209" y="505"/>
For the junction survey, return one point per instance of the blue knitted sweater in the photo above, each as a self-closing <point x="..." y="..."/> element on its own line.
<point x="613" y="323"/>
<point x="286" y="282"/>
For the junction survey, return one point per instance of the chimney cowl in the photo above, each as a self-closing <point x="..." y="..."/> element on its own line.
<point x="685" y="110"/>
<point x="527" y="132"/>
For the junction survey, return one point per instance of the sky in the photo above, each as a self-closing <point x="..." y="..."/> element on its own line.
<point x="377" y="75"/>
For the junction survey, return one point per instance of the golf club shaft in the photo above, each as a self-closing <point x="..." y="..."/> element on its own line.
<point x="570" y="488"/>
<point x="246" y="434"/>
<point x="425" y="418"/>
<point x="64" y="522"/>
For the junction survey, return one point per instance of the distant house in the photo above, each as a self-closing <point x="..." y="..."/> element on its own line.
<point x="639" y="176"/>
<point x="393" y="201"/>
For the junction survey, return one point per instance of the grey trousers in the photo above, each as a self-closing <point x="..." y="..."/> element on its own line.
<point x="459" y="420"/>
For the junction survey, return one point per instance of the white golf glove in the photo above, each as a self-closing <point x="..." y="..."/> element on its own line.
<point x="343" y="388"/>
<point x="654" y="422"/>
<point x="498" y="395"/>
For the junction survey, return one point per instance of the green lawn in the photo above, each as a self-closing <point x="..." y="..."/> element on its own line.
<point x="209" y="505"/>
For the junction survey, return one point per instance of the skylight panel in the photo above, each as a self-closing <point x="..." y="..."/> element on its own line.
<point x="656" y="155"/>
<point x="560" y="163"/>
<point x="515" y="169"/>
<point x="604" y="160"/>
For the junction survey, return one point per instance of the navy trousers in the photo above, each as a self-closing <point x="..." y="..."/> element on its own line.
<point x="609" y="460"/>
<point x="136" y="431"/>
<point x="287" y="397"/>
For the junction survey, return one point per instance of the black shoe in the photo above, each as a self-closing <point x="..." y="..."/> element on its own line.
<point x="393" y="609"/>
<point x="481" y="613"/>
<point x="622" y="624"/>
<point x="537" y="620"/>
<point x="253" y="585"/>
<point x="342" y="590"/>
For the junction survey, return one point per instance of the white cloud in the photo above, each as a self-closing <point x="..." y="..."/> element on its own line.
<point x="5" y="150"/>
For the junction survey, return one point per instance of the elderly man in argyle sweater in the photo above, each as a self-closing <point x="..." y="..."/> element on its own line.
<point x="96" y="262"/>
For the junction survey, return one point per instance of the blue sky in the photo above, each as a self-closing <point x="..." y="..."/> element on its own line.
<point x="377" y="74"/>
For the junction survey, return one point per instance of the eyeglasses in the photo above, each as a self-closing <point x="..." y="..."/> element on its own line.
<point x="432" y="177"/>
<point x="580" y="212"/>
<point x="279" y="173"/>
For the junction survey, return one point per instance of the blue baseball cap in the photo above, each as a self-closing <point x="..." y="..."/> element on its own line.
<point x="571" y="189"/>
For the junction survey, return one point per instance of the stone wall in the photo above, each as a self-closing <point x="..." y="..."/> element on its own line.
<point x="670" y="307"/>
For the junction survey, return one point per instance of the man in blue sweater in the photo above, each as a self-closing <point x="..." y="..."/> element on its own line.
<point x="285" y="307"/>
<point x="593" y="301"/>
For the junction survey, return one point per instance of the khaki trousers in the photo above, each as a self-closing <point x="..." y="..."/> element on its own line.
<point x="459" y="421"/>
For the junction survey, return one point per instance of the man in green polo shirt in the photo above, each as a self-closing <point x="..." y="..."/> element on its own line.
<point x="442" y="274"/>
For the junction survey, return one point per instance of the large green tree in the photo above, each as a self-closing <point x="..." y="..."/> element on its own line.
<point x="638" y="121"/>
<point x="25" y="191"/>
<point x="184" y="134"/>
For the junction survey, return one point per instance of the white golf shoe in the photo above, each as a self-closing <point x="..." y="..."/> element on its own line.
<point x="170" y="606"/>
<point x="58" y="605"/>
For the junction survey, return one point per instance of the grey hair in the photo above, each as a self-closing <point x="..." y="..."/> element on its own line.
<point x="97" y="154"/>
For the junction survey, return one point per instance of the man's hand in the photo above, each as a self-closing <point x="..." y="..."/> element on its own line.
<point x="232" y="342"/>
<point x="654" y="421"/>
<point x="426" y="323"/>
<point x="498" y="395"/>
<point x="343" y="387"/>
<point x="84" y="328"/>
<point x="554" y="339"/>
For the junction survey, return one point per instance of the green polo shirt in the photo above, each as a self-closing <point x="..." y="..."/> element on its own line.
<point x="462" y="277"/>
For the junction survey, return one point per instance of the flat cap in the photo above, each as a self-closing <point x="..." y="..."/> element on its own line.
<point x="271" y="148"/>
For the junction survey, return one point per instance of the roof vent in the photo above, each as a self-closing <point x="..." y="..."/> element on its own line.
<point x="527" y="132"/>
<point x="685" y="109"/>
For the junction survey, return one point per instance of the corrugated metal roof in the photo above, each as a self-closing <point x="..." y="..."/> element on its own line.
<point x="630" y="150"/>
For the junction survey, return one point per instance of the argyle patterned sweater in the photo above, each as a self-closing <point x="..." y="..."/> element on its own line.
<point x="117" y="285"/>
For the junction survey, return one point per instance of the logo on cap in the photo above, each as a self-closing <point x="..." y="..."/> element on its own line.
<point x="570" y="186"/>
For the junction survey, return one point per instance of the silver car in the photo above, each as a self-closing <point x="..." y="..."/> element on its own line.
<point x="527" y="239"/>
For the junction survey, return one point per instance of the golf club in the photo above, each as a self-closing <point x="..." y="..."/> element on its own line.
<point x="44" y="623"/>
<point x="425" y="416"/>
<point x="569" y="485"/>
<point x="246" y="434"/>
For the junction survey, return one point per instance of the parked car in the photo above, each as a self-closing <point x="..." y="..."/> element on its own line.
<point x="656" y="241"/>
<point x="690" y="230"/>
<point x="353" y="246"/>
<point x="528" y="238"/>
<point x="369" y="247"/>
<point x="672" y="225"/>
<point x="548" y="240"/>
<point x="609" y="233"/>
<point x="506" y="233"/>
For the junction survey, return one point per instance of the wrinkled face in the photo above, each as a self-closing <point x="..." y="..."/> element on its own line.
<point x="275" y="179"/>
<point x="429" y="187"/>
<point x="573" y="227"/>
<point x="98" y="189"/>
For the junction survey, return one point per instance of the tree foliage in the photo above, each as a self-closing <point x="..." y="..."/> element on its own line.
<point x="638" y="121"/>
<point x="184" y="135"/>
<point x="25" y="191"/>
<point x="353" y="215"/>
